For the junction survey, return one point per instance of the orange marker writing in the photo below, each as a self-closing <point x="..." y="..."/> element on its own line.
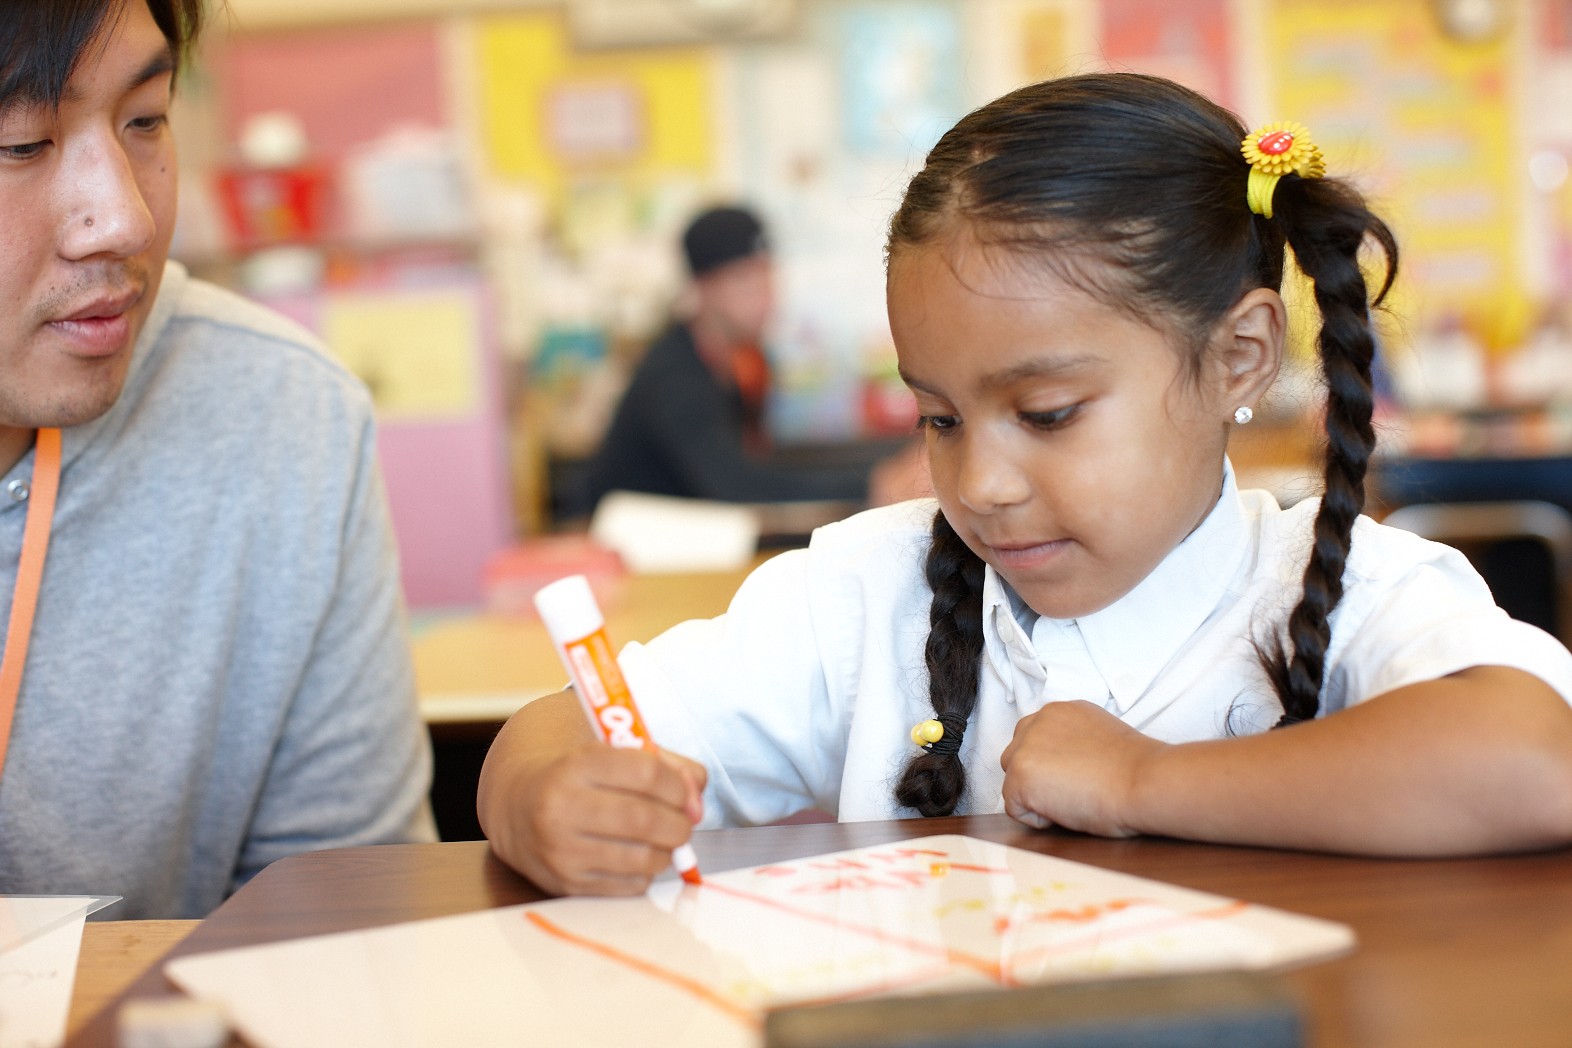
<point x="578" y="630"/>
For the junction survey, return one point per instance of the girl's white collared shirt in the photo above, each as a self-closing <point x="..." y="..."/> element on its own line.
<point x="804" y="693"/>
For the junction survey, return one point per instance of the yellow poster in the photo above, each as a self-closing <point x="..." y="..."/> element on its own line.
<point x="1044" y="42"/>
<point x="1423" y="125"/>
<point x="552" y="113"/>
<point x="418" y="351"/>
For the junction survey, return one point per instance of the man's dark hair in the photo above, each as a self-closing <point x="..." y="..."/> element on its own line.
<point x="43" y="41"/>
<point x="720" y="236"/>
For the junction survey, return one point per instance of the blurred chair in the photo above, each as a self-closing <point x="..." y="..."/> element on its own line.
<point x="1522" y="548"/>
<point x="1409" y="481"/>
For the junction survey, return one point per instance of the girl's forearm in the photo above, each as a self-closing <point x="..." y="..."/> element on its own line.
<point x="1473" y="763"/>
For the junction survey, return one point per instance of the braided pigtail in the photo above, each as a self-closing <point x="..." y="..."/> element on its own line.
<point x="1326" y="223"/>
<point x="935" y="779"/>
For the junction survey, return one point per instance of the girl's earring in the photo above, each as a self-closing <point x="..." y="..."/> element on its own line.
<point x="1243" y="415"/>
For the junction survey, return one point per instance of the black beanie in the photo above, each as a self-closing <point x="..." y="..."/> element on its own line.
<point x="721" y="235"/>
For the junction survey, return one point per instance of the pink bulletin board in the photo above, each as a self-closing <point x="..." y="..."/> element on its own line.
<point x="448" y="494"/>
<point x="1184" y="40"/>
<point x="429" y="356"/>
<point x="349" y="85"/>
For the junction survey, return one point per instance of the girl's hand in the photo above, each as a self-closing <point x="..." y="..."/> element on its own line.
<point x="601" y="821"/>
<point x="1073" y="764"/>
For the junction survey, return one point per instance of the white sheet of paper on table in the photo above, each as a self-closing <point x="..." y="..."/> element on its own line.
<point x="40" y="937"/>
<point x="699" y="965"/>
<point x="658" y="533"/>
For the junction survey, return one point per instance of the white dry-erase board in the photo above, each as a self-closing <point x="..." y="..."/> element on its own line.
<point x="699" y="965"/>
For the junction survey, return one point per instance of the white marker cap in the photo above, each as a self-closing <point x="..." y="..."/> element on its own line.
<point x="568" y="609"/>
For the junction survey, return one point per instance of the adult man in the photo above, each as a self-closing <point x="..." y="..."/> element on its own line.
<point x="691" y="423"/>
<point x="215" y="674"/>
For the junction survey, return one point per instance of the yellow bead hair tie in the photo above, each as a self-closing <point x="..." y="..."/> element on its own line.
<point x="927" y="733"/>
<point x="1276" y="150"/>
<point x="942" y="735"/>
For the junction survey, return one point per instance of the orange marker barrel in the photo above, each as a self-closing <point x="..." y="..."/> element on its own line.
<point x="578" y="629"/>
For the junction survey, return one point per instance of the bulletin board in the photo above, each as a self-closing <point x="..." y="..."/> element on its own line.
<point x="900" y="75"/>
<point x="428" y="355"/>
<point x="551" y="114"/>
<point x="1423" y="125"/>
<point x="347" y="85"/>
<point x="1184" y="40"/>
<point x="688" y="965"/>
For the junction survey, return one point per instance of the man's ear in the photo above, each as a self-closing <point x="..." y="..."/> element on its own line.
<point x="1249" y="347"/>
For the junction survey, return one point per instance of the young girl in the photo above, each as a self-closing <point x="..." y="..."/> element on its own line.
<point x="1094" y="628"/>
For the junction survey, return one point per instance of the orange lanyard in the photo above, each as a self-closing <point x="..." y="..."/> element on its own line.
<point x="29" y="574"/>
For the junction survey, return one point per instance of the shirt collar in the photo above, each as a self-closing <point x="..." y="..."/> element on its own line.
<point x="1132" y="639"/>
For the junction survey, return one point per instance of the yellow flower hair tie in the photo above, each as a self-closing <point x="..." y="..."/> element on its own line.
<point x="1276" y="150"/>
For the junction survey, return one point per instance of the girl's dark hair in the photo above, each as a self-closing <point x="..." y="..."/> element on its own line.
<point x="1146" y="177"/>
<point x="934" y="781"/>
<point x="43" y="41"/>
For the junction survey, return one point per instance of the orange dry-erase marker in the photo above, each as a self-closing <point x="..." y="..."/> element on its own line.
<point x="578" y="629"/>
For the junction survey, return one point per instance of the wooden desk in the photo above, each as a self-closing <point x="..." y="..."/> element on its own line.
<point x="481" y="668"/>
<point x="1451" y="953"/>
<point x="114" y="955"/>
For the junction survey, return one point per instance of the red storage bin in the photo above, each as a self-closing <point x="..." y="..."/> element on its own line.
<point x="269" y="207"/>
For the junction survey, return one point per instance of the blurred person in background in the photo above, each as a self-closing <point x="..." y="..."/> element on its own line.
<point x="692" y="422"/>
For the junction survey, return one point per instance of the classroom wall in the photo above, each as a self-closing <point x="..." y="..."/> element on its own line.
<point x="546" y="161"/>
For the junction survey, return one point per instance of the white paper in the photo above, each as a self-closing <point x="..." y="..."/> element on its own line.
<point x="688" y="965"/>
<point x="40" y="937"/>
<point x="656" y="533"/>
